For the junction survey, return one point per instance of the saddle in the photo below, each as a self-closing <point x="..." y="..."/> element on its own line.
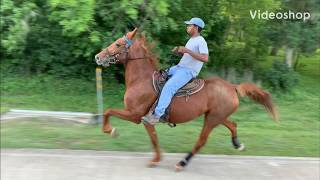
<point x="159" y="79"/>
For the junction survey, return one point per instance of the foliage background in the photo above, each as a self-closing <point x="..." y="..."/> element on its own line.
<point x="61" y="37"/>
<point x="47" y="63"/>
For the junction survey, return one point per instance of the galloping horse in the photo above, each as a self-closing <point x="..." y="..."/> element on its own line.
<point x="217" y="100"/>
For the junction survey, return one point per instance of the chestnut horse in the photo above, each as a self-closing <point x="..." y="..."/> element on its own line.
<point x="217" y="100"/>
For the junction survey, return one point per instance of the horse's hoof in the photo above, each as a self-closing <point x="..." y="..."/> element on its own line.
<point x="152" y="164"/>
<point x="114" y="133"/>
<point x="179" y="168"/>
<point x="241" y="147"/>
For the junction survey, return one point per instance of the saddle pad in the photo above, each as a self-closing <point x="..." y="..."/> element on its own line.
<point x="193" y="86"/>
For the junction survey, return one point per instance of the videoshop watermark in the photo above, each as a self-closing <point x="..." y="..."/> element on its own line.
<point x="288" y="15"/>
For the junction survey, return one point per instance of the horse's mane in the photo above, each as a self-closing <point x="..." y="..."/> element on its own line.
<point x="149" y="49"/>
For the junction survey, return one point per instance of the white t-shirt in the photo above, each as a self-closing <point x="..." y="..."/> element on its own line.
<point x="196" y="44"/>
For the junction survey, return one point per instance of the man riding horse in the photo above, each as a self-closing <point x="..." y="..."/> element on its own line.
<point x="217" y="100"/>
<point x="195" y="53"/>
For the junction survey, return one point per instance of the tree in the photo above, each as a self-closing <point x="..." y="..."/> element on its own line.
<point x="14" y="24"/>
<point x="297" y="36"/>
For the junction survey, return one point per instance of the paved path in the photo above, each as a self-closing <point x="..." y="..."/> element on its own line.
<point x="34" y="164"/>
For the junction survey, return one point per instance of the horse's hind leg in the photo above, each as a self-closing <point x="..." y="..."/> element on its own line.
<point x="206" y="130"/>
<point x="154" y="140"/>
<point x="232" y="126"/>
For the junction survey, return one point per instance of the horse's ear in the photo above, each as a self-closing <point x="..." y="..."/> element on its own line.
<point x="131" y="34"/>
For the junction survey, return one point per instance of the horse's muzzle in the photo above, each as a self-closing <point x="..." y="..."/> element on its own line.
<point x="101" y="62"/>
<point x="97" y="58"/>
<point x="106" y="61"/>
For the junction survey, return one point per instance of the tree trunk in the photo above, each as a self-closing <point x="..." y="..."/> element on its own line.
<point x="296" y="63"/>
<point x="289" y="56"/>
<point x="274" y="51"/>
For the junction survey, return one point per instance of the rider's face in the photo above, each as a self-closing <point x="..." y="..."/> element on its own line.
<point x="191" y="29"/>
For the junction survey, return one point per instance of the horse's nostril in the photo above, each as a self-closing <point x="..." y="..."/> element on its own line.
<point x="97" y="58"/>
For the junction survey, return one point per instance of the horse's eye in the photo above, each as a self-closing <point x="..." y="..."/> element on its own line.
<point x="118" y="45"/>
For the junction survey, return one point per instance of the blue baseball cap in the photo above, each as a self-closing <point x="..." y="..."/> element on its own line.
<point x="196" y="21"/>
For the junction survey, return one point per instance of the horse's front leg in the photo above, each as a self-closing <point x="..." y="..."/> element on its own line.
<point x="120" y="113"/>
<point x="154" y="140"/>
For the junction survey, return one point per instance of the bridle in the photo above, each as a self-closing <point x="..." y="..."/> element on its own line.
<point x="113" y="58"/>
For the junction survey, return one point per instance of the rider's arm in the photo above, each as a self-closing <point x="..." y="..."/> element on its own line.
<point x="198" y="56"/>
<point x="203" y="51"/>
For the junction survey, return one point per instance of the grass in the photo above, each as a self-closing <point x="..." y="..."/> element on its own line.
<point x="49" y="93"/>
<point x="297" y="134"/>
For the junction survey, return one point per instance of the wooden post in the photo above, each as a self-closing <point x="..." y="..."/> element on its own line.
<point x="99" y="94"/>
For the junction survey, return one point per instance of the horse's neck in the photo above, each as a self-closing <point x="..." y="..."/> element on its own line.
<point x="138" y="70"/>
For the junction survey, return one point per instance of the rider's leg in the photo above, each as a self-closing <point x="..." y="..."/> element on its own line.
<point x="172" y="70"/>
<point x="179" y="78"/>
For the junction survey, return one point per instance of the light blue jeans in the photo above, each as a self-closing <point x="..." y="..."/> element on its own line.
<point x="179" y="77"/>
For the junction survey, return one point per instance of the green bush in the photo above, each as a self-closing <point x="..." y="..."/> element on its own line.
<point x="281" y="77"/>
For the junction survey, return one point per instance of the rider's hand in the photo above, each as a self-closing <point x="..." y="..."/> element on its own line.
<point x="182" y="50"/>
<point x="179" y="50"/>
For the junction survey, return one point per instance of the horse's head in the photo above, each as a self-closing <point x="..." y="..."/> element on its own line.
<point x="117" y="51"/>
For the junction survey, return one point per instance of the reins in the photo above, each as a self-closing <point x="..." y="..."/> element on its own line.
<point x="113" y="58"/>
<point x="129" y="42"/>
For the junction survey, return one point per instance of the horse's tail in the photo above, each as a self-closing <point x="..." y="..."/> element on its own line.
<point x="258" y="95"/>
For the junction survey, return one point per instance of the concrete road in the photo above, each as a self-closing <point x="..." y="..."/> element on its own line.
<point x="34" y="164"/>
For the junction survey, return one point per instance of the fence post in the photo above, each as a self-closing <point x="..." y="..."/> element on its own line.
<point x="99" y="94"/>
